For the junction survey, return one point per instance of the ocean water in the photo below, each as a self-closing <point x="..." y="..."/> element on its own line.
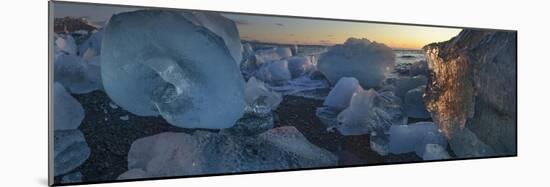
<point x="408" y="56"/>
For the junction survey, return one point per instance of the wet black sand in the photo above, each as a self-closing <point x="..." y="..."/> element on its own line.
<point x="110" y="137"/>
<point x="351" y="150"/>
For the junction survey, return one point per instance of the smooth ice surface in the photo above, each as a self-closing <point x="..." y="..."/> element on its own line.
<point x="379" y="143"/>
<point x="363" y="115"/>
<point x="252" y="123"/>
<point x="414" y="103"/>
<point x="272" y="54"/>
<point x="247" y="50"/>
<point x="406" y="83"/>
<point x="420" y="68"/>
<point x="221" y="26"/>
<point x="70" y="151"/>
<point x="339" y="97"/>
<point x="414" y="138"/>
<point x="435" y="152"/>
<point x="64" y="44"/>
<point x="68" y="111"/>
<point x="465" y="143"/>
<point x="72" y="178"/>
<point x="77" y="75"/>
<point x="283" y="52"/>
<point x="134" y="174"/>
<point x="299" y="65"/>
<point x="177" y="154"/>
<point x="93" y="43"/>
<point x="260" y="99"/>
<point x="391" y="105"/>
<point x="367" y="61"/>
<point x="275" y="72"/>
<point x="158" y="62"/>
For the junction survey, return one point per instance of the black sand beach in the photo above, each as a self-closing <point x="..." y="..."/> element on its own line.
<point x="109" y="135"/>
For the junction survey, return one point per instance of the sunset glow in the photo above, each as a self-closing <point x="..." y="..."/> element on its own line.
<point x="299" y="31"/>
<point x="328" y="32"/>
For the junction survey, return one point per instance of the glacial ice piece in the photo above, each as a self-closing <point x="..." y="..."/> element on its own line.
<point x="93" y="43"/>
<point x="133" y="174"/>
<point x="299" y="66"/>
<point x="275" y="72"/>
<point x="76" y="75"/>
<point x="70" y="151"/>
<point x="339" y="97"/>
<point x="247" y="50"/>
<point x="259" y="99"/>
<point x="264" y="56"/>
<point x="419" y="68"/>
<point x="252" y="123"/>
<point x="360" y="58"/>
<point x="248" y="64"/>
<point x="188" y="76"/>
<point x="327" y="116"/>
<point x="367" y="111"/>
<point x="414" y="138"/>
<point x="465" y="144"/>
<point x="414" y="103"/>
<point x="405" y="83"/>
<point x="272" y="54"/>
<point x="289" y="140"/>
<point x="68" y="111"/>
<point x="221" y="26"/>
<point x="472" y="85"/>
<point x="379" y="143"/>
<point x="181" y="154"/>
<point x="72" y="178"/>
<point x="64" y="44"/>
<point x="363" y="115"/>
<point x="435" y="152"/>
<point x="124" y="118"/>
<point x="89" y="54"/>
<point x="283" y="52"/>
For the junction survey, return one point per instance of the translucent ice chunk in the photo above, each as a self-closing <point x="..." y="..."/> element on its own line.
<point x="367" y="61"/>
<point x="221" y="26"/>
<point x="275" y="72"/>
<point x="402" y="85"/>
<point x="260" y="99"/>
<point x="414" y="103"/>
<point x="93" y="43"/>
<point x="72" y="178"/>
<point x="362" y="116"/>
<point x="70" y="151"/>
<point x="299" y="66"/>
<point x="76" y="75"/>
<point x="339" y="97"/>
<point x="414" y="138"/>
<point x="68" y="111"/>
<point x="272" y="54"/>
<point x="177" y="154"/>
<point x="435" y="152"/>
<point x="64" y="44"/>
<point x="159" y="62"/>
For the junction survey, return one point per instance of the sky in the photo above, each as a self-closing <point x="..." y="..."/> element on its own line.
<point x="293" y="30"/>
